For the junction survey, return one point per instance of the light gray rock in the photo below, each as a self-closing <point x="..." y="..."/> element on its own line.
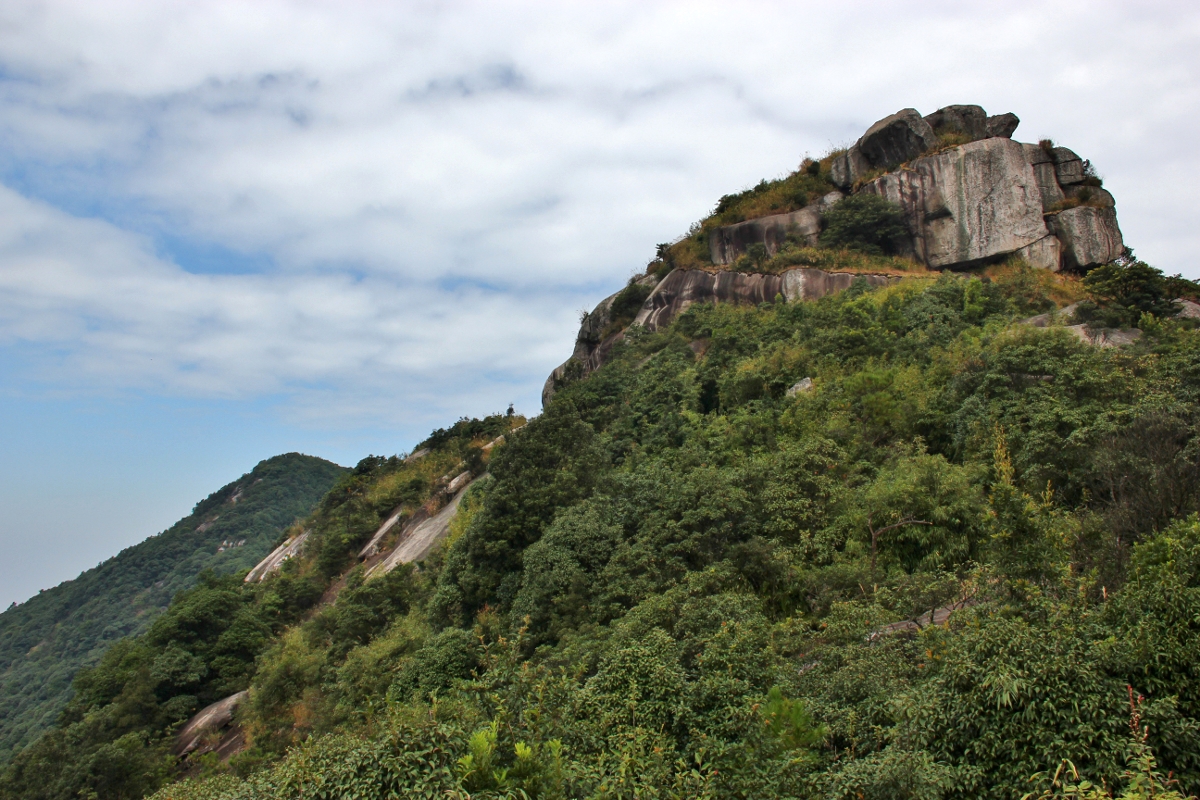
<point x="968" y="204"/>
<point x="1105" y="337"/>
<point x="1002" y="125"/>
<point x="848" y="168"/>
<point x="1089" y="236"/>
<point x="210" y="720"/>
<point x="1068" y="166"/>
<point x="421" y="534"/>
<point x="1188" y="309"/>
<point x="802" y="386"/>
<point x="969" y="120"/>
<point x="813" y="284"/>
<point x="277" y="557"/>
<point x="1063" y="316"/>
<point x="896" y="139"/>
<point x="1045" y="253"/>
<point x="725" y="244"/>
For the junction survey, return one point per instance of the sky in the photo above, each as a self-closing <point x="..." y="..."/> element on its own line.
<point x="230" y="230"/>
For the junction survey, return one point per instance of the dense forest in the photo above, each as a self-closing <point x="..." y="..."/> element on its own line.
<point x="962" y="561"/>
<point x="45" y="641"/>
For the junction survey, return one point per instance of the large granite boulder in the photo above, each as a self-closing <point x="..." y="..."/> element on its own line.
<point x="896" y="139"/>
<point x="1045" y="174"/>
<point x="1068" y="167"/>
<point x="888" y="143"/>
<point x="1089" y="236"/>
<point x="972" y="121"/>
<point x="1002" y="125"/>
<point x="969" y="204"/>
<point x="966" y="120"/>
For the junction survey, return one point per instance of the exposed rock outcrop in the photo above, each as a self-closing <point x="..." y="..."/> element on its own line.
<point x="422" y="532"/>
<point x="727" y="243"/>
<point x="212" y="729"/>
<point x="276" y="558"/>
<point x="964" y="205"/>
<point x="1089" y="235"/>
<point x="968" y="204"/>
<point x="682" y="288"/>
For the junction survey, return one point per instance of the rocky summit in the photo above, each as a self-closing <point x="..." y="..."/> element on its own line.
<point x="969" y="196"/>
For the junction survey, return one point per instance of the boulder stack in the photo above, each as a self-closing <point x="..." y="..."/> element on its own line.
<point x="969" y="193"/>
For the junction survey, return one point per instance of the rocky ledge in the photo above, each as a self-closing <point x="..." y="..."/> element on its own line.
<point x="970" y="195"/>
<point x="684" y="287"/>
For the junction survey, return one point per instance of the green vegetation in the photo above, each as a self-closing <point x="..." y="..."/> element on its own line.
<point x="866" y="223"/>
<point x="681" y="581"/>
<point x="45" y="641"/>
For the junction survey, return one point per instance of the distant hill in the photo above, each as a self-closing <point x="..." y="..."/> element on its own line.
<point x="46" y="640"/>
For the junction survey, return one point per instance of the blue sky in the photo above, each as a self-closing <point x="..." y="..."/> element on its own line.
<point x="230" y="230"/>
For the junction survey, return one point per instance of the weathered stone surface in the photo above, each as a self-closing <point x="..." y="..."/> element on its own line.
<point x="1064" y="315"/>
<point x="684" y="287"/>
<point x="275" y="560"/>
<point x="1068" y="166"/>
<point x="1188" y="309"/>
<point x="1045" y="253"/>
<point x="813" y="284"/>
<point x="421" y="534"/>
<point x="968" y="204"/>
<point x="802" y="386"/>
<point x="969" y="120"/>
<point x="1105" y="337"/>
<point x="727" y="243"/>
<point x="1045" y="174"/>
<point x="848" y="168"/>
<point x="1089" y="235"/>
<point x="1002" y="125"/>
<point x="896" y="139"/>
<point x="209" y="721"/>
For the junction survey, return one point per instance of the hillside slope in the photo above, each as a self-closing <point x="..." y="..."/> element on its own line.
<point x="46" y="640"/>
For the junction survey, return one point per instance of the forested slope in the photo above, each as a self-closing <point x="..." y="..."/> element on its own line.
<point x="685" y="579"/>
<point x="46" y="640"/>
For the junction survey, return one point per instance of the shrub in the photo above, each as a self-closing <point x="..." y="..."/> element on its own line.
<point x="866" y="223"/>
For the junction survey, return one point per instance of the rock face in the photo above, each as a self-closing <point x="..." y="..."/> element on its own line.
<point x="422" y="532"/>
<point x="727" y="243"/>
<point x="212" y="729"/>
<point x="683" y="288"/>
<point x="275" y="560"/>
<point x="964" y="205"/>
<point x="1089" y="235"/>
<point x="968" y="204"/>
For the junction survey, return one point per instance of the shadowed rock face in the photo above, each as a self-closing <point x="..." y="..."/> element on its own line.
<point x="683" y="288"/>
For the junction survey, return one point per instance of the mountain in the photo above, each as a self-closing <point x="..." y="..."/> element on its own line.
<point x="810" y="512"/>
<point x="46" y="640"/>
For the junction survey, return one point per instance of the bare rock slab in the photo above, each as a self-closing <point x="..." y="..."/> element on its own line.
<point x="1089" y="235"/>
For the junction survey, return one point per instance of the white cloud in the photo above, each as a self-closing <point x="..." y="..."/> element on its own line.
<point x="377" y="154"/>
